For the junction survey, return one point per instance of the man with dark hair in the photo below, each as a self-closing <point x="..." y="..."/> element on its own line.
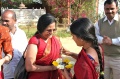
<point x="19" y="42"/>
<point x="5" y="46"/>
<point x="108" y="34"/>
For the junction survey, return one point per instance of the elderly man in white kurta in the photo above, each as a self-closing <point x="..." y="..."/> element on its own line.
<point x="19" y="42"/>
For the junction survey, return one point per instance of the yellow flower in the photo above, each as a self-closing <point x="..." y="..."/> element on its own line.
<point x="66" y="60"/>
<point x="69" y="66"/>
<point x="55" y="63"/>
<point x="63" y="63"/>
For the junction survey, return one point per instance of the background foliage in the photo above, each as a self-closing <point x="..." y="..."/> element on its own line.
<point x="59" y="7"/>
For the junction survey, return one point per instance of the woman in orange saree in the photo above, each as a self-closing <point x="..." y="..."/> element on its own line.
<point x="43" y="49"/>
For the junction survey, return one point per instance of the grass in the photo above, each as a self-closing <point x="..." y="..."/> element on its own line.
<point x="61" y="31"/>
<point x="28" y="30"/>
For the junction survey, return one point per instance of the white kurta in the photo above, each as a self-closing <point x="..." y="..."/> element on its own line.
<point x="19" y="43"/>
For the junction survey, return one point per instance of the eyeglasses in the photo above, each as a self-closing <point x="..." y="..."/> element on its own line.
<point x="50" y="30"/>
<point x="4" y="20"/>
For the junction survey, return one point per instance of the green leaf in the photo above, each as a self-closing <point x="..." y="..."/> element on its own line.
<point x="12" y="0"/>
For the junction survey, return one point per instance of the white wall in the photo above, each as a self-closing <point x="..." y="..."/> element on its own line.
<point x="25" y="16"/>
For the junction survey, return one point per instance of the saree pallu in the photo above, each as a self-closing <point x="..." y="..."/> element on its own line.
<point x="84" y="68"/>
<point x="45" y="59"/>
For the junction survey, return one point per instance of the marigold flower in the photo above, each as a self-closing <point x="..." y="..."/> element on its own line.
<point x="66" y="60"/>
<point x="61" y="64"/>
<point x="55" y="63"/>
<point x="69" y="66"/>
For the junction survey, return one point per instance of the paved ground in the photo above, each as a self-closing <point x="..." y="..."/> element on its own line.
<point x="69" y="44"/>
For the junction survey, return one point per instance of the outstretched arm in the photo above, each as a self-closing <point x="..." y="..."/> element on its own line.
<point x="68" y="53"/>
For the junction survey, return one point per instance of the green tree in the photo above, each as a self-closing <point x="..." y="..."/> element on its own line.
<point x="60" y="8"/>
<point x="14" y="3"/>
